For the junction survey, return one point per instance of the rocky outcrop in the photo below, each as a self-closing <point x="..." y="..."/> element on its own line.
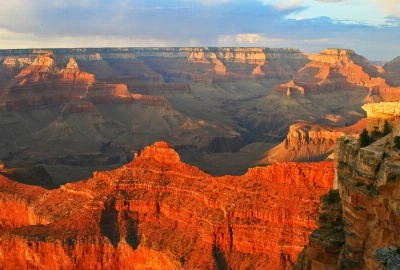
<point x="378" y="113"/>
<point x="43" y="83"/>
<point x="389" y="257"/>
<point x="72" y="72"/>
<point x="367" y="180"/>
<point x="383" y="110"/>
<point x="310" y="142"/>
<point x="159" y="212"/>
<point x="340" y="70"/>
<point x="17" y="62"/>
<point x="42" y="63"/>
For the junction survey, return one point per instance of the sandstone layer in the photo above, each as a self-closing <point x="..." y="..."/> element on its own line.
<point x="363" y="216"/>
<point x="329" y="90"/>
<point x="157" y="212"/>
<point x="52" y="112"/>
<point x="310" y="142"/>
<point x="104" y="104"/>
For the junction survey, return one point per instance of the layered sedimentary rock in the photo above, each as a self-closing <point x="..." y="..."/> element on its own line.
<point x="52" y="103"/>
<point x="383" y="110"/>
<point x="335" y="69"/>
<point x="392" y="71"/>
<point x="366" y="215"/>
<point x="380" y="113"/>
<point x="158" y="212"/>
<point x="35" y="84"/>
<point x="203" y="101"/>
<point x="329" y="90"/>
<point x="187" y="64"/>
<point x="341" y="70"/>
<point x="310" y="142"/>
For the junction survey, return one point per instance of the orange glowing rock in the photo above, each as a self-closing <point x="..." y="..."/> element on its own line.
<point x="157" y="212"/>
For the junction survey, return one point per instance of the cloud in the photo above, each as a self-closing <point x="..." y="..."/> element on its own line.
<point x="389" y="7"/>
<point x="98" y="23"/>
<point x="290" y="5"/>
<point x="393" y="20"/>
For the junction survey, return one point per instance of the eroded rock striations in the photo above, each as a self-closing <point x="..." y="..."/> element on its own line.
<point x="157" y="212"/>
<point x="365" y="217"/>
<point x="310" y="142"/>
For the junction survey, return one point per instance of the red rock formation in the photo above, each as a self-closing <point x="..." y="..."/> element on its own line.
<point x="222" y="64"/>
<point x="157" y="212"/>
<point x="310" y="142"/>
<point x="42" y="63"/>
<point x="43" y="83"/>
<point x="364" y="215"/>
<point x="340" y="70"/>
<point x="72" y="72"/>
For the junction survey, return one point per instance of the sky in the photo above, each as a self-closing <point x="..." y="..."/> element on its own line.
<point x="369" y="27"/>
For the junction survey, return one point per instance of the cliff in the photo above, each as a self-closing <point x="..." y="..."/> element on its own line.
<point x="159" y="212"/>
<point x="340" y="70"/>
<point x="310" y="142"/>
<point x="363" y="217"/>
<point x="203" y="101"/>
<point x="52" y="100"/>
<point x="329" y="91"/>
<point x="192" y="64"/>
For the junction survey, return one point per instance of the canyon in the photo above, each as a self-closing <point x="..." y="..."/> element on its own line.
<point x="196" y="158"/>
<point x="215" y="106"/>
<point x="158" y="212"/>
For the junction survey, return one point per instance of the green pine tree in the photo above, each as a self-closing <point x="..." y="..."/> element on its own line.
<point x="397" y="142"/>
<point x="375" y="134"/>
<point x="365" y="139"/>
<point x="386" y="128"/>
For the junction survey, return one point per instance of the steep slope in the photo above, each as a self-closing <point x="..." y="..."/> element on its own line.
<point x="159" y="212"/>
<point x="204" y="101"/>
<point x="329" y="90"/>
<point x="35" y="84"/>
<point x="54" y="113"/>
<point x="310" y="142"/>
<point x="213" y="65"/>
<point x="392" y="72"/>
<point x="361" y="217"/>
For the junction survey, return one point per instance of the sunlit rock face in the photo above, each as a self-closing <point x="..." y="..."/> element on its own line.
<point x="340" y="70"/>
<point x="329" y="90"/>
<point x="310" y="142"/>
<point x="157" y="212"/>
<point x="362" y="215"/>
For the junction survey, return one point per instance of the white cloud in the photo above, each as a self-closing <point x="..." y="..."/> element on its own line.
<point x="289" y="4"/>
<point x="389" y="7"/>
<point x="14" y="40"/>
<point x="259" y="40"/>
